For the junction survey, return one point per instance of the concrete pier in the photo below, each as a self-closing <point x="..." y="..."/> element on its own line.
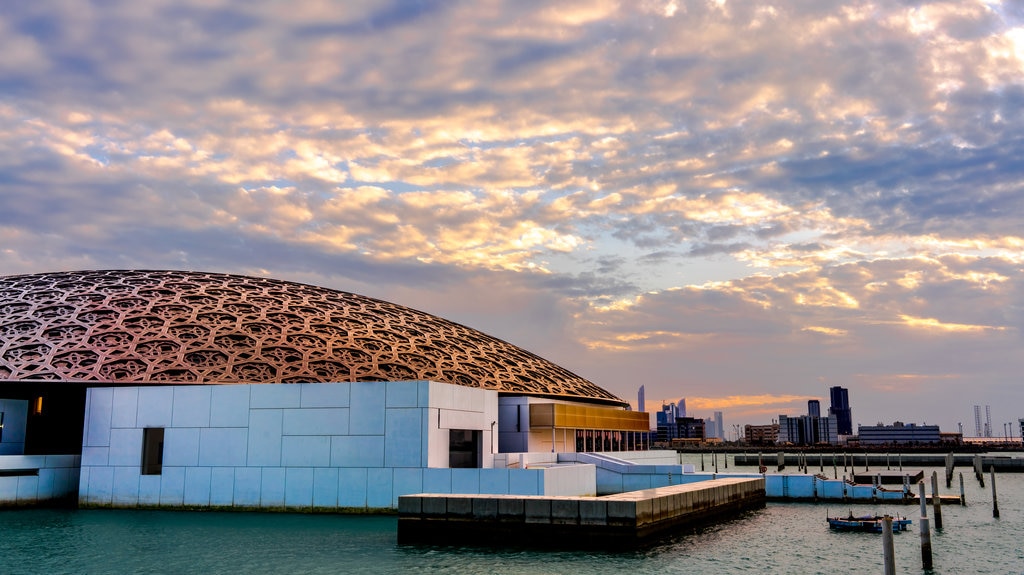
<point x="623" y="519"/>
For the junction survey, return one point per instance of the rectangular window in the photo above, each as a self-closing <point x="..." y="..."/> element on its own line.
<point x="464" y="448"/>
<point x="152" y="450"/>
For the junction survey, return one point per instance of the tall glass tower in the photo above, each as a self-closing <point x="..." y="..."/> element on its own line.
<point x="841" y="409"/>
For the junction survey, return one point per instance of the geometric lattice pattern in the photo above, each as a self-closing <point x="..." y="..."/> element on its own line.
<point x="188" y="327"/>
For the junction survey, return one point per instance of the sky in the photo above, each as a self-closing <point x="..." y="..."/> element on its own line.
<point x="739" y="203"/>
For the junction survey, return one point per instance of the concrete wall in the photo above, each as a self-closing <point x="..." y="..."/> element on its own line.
<point x="302" y="446"/>
<point x="33" y="479"/>
<point x="15" y="418"/>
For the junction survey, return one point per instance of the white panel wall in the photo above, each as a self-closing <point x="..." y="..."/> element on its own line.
<point x="46" y="477"/>
<point x="340" y="445"/>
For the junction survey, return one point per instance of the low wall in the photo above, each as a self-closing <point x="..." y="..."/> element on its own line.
<point x="27" y="480"/>
<point x="612" y="521"/>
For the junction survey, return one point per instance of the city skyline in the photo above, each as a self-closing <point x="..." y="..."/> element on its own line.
<point x="745" y="204"/>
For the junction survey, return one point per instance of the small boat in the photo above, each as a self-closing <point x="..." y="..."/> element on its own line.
<point x="866" y="523"/>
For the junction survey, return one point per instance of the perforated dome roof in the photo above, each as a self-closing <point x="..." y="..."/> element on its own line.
<point x="187" y="327"/>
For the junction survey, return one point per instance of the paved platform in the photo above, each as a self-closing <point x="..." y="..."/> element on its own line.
<point x="618" y="520"/>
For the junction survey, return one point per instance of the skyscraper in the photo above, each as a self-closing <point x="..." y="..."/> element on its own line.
<point x="840" y="407"/>
<point x="720" y="425"/>
<point x="814" y="408"/>
<point x="682" y="407"/>
<point x="640" y="400"/>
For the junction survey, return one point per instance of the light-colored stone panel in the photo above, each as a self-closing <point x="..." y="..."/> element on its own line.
<point x="402" y="393"/>
<point x="275" y="395"/>
<point x="272" y="487"/>
<point x="325" y="395"/>
<point x="97" y="420"/>
<point x="222" y="486"/>
<point x="197" y="486"/>
<point x="366" y="416"/>
<point x="264" y="437"/>
<point x="191" y="406"/>
<point x="155" y="405"/>
<point x="352" y="487"/>
<point x="181" y="447"/>
<point x="172" y="486"/>
<point x="357" y="451"/>
<point x="305" y="451"/>
<point x="126" y="447"/>
<point x="229" y="405"/>
<point x="380" y="489"/>
<point x="223" y="446"/>
<point x="125" y="407"/>
<point x="298" y="487"/>
<point x="316" y="421"/>
<point x="247" y="486"/>
<point x="325" y="487"/>
<point x="403" y="438"/>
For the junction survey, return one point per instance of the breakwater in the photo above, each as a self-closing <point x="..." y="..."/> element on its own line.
<point x="771" y="459"/>
<point x="600" y="522"/>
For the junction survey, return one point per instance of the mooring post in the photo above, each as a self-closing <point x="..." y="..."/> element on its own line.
<point x="887" y="468"/>
<point x="888" y="554"/>
<point x="949" y="470"/>
<point x="936" y="500"/>
<point x="702" y="461"/>
<point x="714" y="459"/>
<point x="926" y="534"/>
<point x="844" y="462"/>
<point x="979" y="472"/>
<point x="781" y="461"/>
<point x="963" y="499"/>
<point x="835" y="468"/>
<point x="995" y="502"/>
<point x="866" y="461"/>
<point x="899" y="458"/>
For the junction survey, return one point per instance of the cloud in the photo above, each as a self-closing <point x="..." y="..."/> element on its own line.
<point x="703" y="194"/>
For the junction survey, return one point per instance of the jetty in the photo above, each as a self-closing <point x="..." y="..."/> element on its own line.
<point x="621" y="519"/>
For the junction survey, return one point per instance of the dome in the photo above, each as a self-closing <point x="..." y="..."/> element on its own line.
<point x="173" y="327"/>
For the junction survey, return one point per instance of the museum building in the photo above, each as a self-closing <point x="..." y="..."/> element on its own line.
<point x="188" y="389"/>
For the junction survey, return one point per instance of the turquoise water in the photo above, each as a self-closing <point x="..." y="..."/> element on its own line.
<point x="784" y="537"/>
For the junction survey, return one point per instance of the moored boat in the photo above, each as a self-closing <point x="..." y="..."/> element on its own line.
<point x="866" y="523"/>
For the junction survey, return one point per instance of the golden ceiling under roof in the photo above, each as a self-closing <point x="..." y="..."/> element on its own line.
<point x="189" y="327"/>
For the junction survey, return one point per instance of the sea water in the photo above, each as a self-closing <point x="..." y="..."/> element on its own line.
<point x="782" y="538"/>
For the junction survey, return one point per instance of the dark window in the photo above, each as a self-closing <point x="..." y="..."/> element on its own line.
<point x="464" y="448"/>
<point x="152" y="450"/>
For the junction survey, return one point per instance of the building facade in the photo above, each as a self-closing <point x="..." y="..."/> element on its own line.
<point x="840" y="408"/>
<point x="898" y="434"/>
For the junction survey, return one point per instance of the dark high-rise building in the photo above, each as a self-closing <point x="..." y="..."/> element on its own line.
<point x="841" y="409"/>
<point x="814" y="408"/>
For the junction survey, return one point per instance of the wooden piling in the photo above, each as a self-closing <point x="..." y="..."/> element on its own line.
<point x="949" y="470"/>
<point x="926" y="534"/>
<point x="780" y="460"/>
<point x="936" y="500"/>
<point x="995" y="501"/>
<point x="963" y="498"/>
<point x="888" y="553"/>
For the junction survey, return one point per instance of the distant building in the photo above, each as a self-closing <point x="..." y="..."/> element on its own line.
<point x="814" y="408"/>
<point x="761" y="434"/>
<point x="682" y="407"/>
<point x="640" y="402"/>
<point x="807" y="430"/>
<point x="898" y="433"/>
<point x="720" y="425"/>
<point x="840" y="407"/>
<point x="679" y="428"/>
